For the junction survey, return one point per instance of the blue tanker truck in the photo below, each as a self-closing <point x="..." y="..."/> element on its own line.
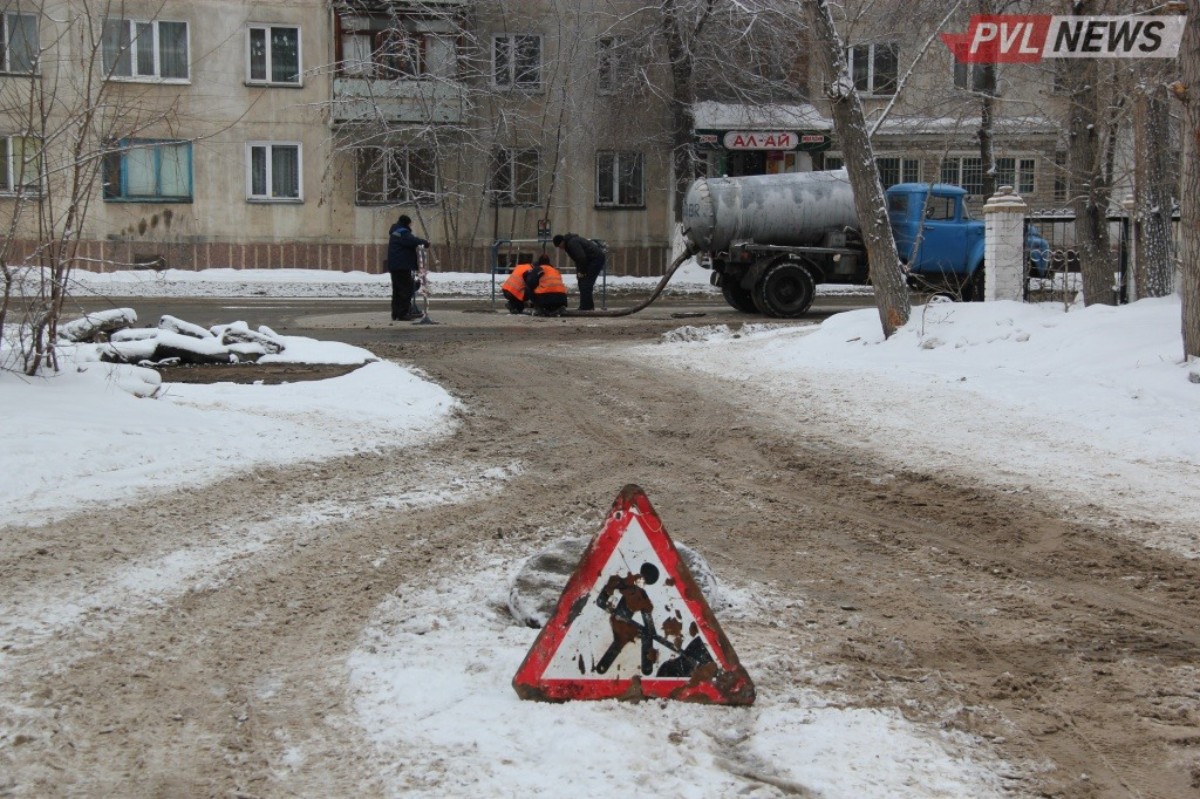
<point x="769" y="239"/>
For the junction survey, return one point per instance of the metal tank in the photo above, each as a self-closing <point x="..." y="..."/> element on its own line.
<point x="791" y="209"/>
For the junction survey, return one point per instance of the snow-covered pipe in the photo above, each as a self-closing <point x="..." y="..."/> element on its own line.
<point x="793" y="209"/>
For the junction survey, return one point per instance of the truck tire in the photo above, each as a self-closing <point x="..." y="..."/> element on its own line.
<point x="738" y="298"/>
<point x="785" y="290"/>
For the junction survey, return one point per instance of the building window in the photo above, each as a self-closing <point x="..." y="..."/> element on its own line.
<point x="1015" y="172"/>
<point x="19" y="40"/>
<point x="20" y="164"/>
<point x="515" y="177"/>
<point x="385" y="54"/>
<point x="965" y="171"/>
<point x="144" y="170"/>
<point x="274" y="172"/>
<point x="395" y="46"/>
<point x="517" y="61"/>
<point x="975" y="78"/>
<point x="395" y="176"/>
<point x="619" y="180"/>
<point x="613" y="69"/>
<point x="274" y="55"/>
<point x="875" y="67"/>
<point x="145" y="50"/>
<point x="895" y="169"/>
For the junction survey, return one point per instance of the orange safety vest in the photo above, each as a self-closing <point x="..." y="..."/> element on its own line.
<point x="551" y="282"/>
<point x="515" y="284"/>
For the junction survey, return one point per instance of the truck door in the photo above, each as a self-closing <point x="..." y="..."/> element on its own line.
<point x="946" y="241"/>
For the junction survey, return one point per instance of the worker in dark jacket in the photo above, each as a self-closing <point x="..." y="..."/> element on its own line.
<point x="589" y="263"/>
<point x="539" y="285"/>
<point x="402" y="263"/>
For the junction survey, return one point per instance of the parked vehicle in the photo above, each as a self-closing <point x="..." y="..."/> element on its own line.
<point x="770" y="239"/>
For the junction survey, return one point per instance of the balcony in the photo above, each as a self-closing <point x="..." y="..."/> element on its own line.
<point x="407" y="101"/>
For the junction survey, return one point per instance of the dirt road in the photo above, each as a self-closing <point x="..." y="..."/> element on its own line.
<point x="1074" y="653"/>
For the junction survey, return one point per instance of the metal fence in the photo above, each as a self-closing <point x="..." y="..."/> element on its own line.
<point x="1058" y="229"/>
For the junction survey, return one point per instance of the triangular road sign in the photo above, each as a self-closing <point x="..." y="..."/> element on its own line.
<point x="633" y="624"/>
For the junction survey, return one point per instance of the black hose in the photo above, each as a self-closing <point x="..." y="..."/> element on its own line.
<point x="662" y="284"/>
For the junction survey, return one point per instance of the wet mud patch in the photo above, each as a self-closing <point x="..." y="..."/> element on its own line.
<point x="266" y="373"/>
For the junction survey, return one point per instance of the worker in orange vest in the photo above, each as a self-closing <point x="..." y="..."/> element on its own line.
<point x="539" y="285"/>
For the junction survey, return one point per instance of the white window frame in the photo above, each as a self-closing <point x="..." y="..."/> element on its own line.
<point x="269" y="63"/>
<point x="909" y="166"/>
<point x="1024" y="165"/>
<point x="957" y="161"/>
<point x="617" y="157"/>
<point x="7" y="33"/>
<point x="134" y="53"/>
<point x="8" y="170"/>
<point x="268" y="148"/>
<point x="909" y="169"/>
<point x="511" y="42"/>
<point x="874" y="83"/>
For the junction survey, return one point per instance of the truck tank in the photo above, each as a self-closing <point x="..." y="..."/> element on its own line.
<point x="791" y="209"/>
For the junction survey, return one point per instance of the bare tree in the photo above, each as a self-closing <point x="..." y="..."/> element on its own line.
<point x="68" y="115"/>
<point x="1092" y="121"/>
<point x="891" y="294"/>
<point x="1188" y="90"/>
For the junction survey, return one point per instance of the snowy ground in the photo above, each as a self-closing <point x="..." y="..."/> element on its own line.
<point x="1096" y="400"/>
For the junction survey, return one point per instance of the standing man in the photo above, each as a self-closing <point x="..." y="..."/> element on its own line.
<point x="589" y="263"/>
<point x="402" y="263"/>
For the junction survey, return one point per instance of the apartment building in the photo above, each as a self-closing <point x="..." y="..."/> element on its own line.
<point x="291" y="133"/>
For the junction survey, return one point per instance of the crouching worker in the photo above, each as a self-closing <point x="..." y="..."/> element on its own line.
<point x="539" y="285"/>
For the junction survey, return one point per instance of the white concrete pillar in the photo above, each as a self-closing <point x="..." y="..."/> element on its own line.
<point x="1004" y="246"/>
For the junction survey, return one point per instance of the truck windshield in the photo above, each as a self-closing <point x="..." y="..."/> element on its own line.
<point x="898" y="205"/>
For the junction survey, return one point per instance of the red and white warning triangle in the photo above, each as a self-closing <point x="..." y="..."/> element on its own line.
<point x="633" y="624"/>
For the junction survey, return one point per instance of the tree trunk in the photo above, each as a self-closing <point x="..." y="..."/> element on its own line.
<point x="987" y="108"/>
<point x="1154" y="190"/>
<point x="1090" y="194"/>
<point x="683" y="100"/>
<point x="1189" y="92"/>
<point x="891" y="293"/>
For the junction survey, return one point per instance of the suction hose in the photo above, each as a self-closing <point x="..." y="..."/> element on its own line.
<point x="662" y="284"/>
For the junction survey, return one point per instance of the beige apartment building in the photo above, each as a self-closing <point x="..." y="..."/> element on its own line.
<point x="291" y="133"/>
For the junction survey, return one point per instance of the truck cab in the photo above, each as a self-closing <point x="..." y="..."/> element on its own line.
<point x="935" y="237"/>
<point x="937" y="241"/>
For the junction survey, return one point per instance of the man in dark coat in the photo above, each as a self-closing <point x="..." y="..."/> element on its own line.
<point x="402" y="263"/>
<point x="589" y="263"/>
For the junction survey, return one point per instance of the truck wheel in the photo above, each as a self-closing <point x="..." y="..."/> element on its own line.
<point x="786" y="290"/>
<point x="738" y="298"/>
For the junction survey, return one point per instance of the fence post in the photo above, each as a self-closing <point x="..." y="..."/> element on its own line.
<point x="1004" y="246"/>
